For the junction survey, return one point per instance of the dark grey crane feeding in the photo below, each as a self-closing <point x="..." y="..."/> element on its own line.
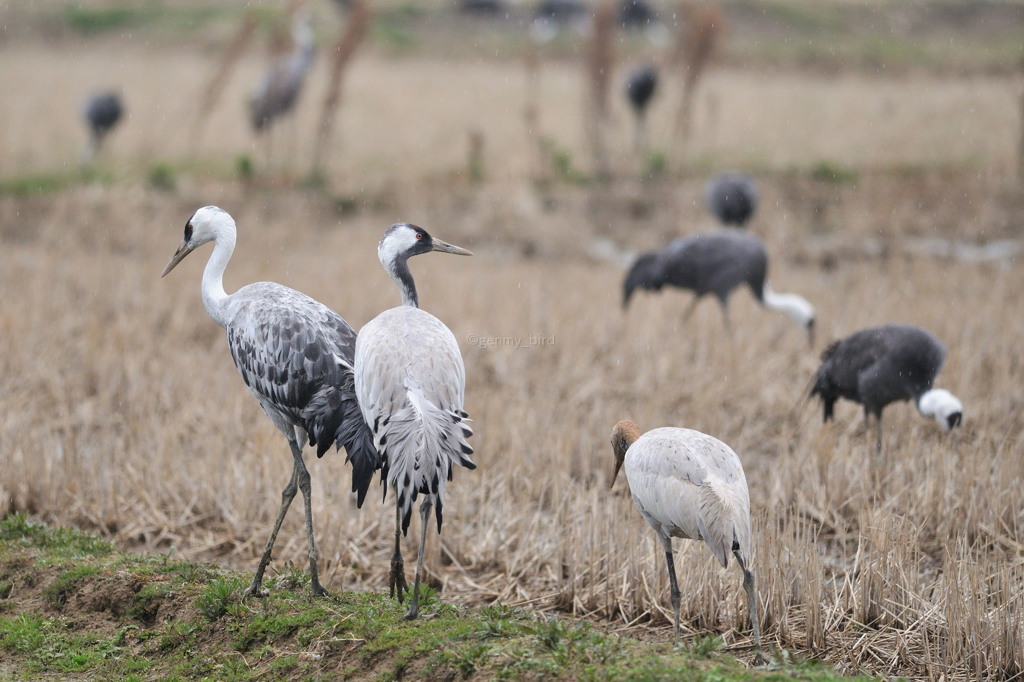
<point x="732" y="198"/>
<point x="296" y="355"/>
<point x="411" y="384"/>
<point x="640" y="88"/>
<point x="102" y="112"/>
<point x="884" y="364"/>
<point x="277" y="94"/>
<point x="715" y="263"/>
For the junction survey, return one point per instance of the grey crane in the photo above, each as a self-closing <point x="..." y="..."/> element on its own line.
<point x="277" y="93"/>
<point x="880" y="365"/>
<point x="732" y="198"/>
<point x="102" y="111"/>
<point x="296" y="356"/>
<point x="715" y="263"/>
<point x="689" y="485"/>
<point x="411" y="382"/>
<point x="641" y="85"/>
<point x="552" y="16"/>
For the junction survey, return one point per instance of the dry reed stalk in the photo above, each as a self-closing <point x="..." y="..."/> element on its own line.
<point x="215" y="86"/>
<point x="1020" y="139"/>
<point x="120" y="410"/>
<point x="599" y="64"/>
<point x="351" y="38"/>
<point x="693" y="50"/>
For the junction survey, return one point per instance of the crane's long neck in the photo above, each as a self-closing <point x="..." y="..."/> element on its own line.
<point x="792" y="306"/>
<point x="214" y="297"/>
<point x="398" y="270"/>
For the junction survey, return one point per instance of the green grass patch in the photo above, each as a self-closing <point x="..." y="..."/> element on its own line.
<point x="170" y="18"/>
<point x="56" y="593"/>
<point x="218" y="597"/>
<point x="17" y="529"/>
<point x="826" y="171"/>
<point x="148" y="617"/>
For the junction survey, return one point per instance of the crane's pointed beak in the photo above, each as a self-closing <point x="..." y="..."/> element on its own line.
<point x="618" y="465"/>
<point x="183" y="250"/>
<point x="450" y="248"/>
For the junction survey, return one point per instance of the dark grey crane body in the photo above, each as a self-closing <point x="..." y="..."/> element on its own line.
<point x="102" y="112"/>
<point x="287" y="346"/>
<point x="881" y="365"/>
<point x="640" y="88"/>
<point x="296" y="355"/>
<point x="638" y="14"/>
<point x="715" y="263"/>
<point x="732" y="198"/>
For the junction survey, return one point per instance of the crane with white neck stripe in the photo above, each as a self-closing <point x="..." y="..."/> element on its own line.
<point x="410" y="381"/>
<point x="296" y="356"/>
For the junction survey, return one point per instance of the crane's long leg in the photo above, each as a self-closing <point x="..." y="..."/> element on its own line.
<point x="676" y="596"/>
<point x="303" y="476"/>
<point x="878" y="426"/>
<point x="414" y="607"/>
<point x="690" y="308"/>
<point x="748" y="586"/>
<point x="727" y="321"/>
<point x="397" y="581"/>
<point x="287" y="495"/>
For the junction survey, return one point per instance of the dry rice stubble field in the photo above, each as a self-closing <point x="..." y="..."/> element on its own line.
<point x="120" y="409"/>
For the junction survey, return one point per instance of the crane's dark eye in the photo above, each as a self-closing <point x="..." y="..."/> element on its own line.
<point x="188" y="230"/>
<point x="419" y="235"/>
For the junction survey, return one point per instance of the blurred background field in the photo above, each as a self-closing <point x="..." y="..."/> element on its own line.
<point x="885" y="139"/>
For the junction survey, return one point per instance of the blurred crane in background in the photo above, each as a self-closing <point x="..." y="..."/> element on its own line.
<point x="640" y="88"/>
<point x="732" y="198"/>
<point x="715" y="263"/>
<point x="102" y="111"/>
<point x="279" y="90"/>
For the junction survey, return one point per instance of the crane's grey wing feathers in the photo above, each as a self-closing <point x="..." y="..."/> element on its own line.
<point x="410" y="381"/>
<point x="690" y="485"/>
<point x="910" y="358"/>
<point x="296" y="356"/>
<point x="717" y="263"/>
<point x="879" y="365"/>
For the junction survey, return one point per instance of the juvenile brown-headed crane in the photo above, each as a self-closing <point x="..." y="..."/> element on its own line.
<point x="689" y="485"/>
<point x="880" y="365"/>
<point x="296" y="356"/>
<point x="410" y="382"/>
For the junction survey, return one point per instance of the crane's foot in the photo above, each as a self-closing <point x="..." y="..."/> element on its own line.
<point x="318" y="589"/>
<point x="413" y="612"/>
<point x="399" y="587"/>
<point x="255" y="590"/>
